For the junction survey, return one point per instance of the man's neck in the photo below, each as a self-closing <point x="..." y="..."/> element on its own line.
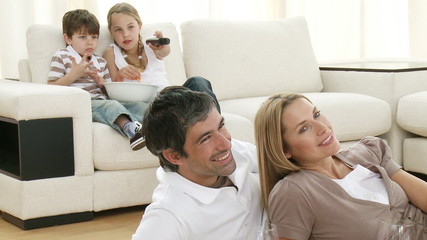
<point x="223" y="181"/>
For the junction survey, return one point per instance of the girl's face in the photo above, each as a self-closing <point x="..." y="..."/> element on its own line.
<point x="308" y="135"/>
<point x="125" y="31"/>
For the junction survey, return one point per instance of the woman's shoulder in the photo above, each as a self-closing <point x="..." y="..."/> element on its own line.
<point x="368" y="149"/>
<point x="297" y="180"/>
<point x="301" y="185"/>
<point x="375" y="145"/>
<point x="369" y="140"/>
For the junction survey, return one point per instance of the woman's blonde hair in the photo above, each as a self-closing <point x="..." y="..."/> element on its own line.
<point x="273" y="165"/>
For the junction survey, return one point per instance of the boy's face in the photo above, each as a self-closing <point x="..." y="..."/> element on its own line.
<point x="82" y="42"/>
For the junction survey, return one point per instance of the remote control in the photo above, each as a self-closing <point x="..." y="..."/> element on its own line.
<point x="158" y="41"/>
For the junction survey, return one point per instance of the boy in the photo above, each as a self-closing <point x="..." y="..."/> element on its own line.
<point x="77" y="66"/>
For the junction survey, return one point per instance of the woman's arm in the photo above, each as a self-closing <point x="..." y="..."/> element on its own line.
<point x="415" y="188"/>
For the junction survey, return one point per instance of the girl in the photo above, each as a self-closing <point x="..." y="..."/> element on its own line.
<point x="130" y="59"/>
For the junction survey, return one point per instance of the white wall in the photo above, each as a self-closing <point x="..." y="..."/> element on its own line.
<point x="340" y="29"/>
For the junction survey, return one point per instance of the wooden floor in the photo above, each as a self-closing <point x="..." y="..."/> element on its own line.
<point x="108" y="225"/>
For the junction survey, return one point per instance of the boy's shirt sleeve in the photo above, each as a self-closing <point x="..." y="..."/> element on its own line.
<point x="57" y="67"/>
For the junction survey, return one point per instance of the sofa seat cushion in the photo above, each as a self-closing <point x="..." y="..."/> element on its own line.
<point x="251" y="58"/>
<point x="411" y="113"/>
<point x="352" y="115"/>
<point x="414" y="152"/>
<point x="112" y="151"/>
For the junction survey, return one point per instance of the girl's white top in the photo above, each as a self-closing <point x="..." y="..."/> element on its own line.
<point x="155" y="72"/>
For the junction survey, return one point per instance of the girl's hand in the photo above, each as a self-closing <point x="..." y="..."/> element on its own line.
<point x="161" y="51"/>
<point x="129" y="72"/>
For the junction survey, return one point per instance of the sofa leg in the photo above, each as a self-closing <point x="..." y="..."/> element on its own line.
<point x="47" y="221"/>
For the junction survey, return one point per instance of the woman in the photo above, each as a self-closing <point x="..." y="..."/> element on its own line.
<point x="315" y="191"/>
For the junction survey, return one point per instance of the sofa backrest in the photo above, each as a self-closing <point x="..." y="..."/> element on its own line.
<point x="251" y="58"/>
<point x="44" y="40"/>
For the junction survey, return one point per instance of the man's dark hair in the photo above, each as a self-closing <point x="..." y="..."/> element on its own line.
<point x="168" y="118"/>
<point x="79" y="20"/>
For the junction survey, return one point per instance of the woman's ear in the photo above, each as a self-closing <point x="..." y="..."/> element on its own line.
<point x="287" y="153"/>
<point x="172" y="156"/>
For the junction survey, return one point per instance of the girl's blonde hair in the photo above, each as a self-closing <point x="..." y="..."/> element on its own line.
<point x="124" y="8"/>
<point x="273" y="165"/>
<point x="127" y="9"/>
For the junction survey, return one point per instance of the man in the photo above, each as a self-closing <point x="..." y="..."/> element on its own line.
<point x="209" y="183"/>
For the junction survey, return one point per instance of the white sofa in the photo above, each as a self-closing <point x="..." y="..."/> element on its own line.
<point x="412" y="116"/>
<point x="246" y="61"/>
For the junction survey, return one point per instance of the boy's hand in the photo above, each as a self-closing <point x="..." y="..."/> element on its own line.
<point x="79" y="70"/>
<point x="94" y="75"/>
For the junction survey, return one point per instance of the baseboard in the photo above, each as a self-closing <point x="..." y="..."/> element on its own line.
<point x="47" y="221"/>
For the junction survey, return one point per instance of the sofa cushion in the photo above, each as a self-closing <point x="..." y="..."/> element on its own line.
<point x="411" y="113"/>
<point x="44" y="40"/>
<point x="352" y="115"/>
<point x="112" y="151"/>
<point x="251" y="58"/>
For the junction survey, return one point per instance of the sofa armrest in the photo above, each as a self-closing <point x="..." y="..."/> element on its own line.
<point x="27" y="101"/>
<point x="24" y="70"/>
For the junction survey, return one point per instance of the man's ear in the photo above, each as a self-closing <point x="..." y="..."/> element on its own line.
<point x="172" y="156"/>
<point x="67" y="39"/>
